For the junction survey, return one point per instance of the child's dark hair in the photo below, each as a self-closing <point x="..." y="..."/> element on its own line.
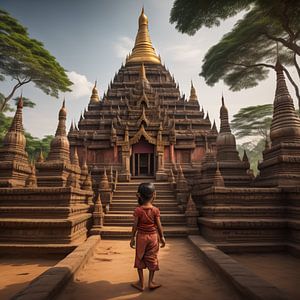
<point x="145" y="192"/>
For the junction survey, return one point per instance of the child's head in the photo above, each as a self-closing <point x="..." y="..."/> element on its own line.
<point x="145" y="192"/>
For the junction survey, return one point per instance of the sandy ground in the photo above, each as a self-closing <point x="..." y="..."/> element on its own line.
<point x="16" y="273"/>
<point x="281" y="270"/>
<point x="183" y="275"/>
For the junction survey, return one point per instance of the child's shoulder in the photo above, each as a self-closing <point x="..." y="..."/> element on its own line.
<point x="137" y="211"/>
<point x="156" y="210"/>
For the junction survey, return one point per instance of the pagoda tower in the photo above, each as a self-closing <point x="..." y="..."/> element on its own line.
<point x="225" y="159"/>
<point x="14" y="168"/>
<point x="281" y="161"/>
<point x="142" y="126"/>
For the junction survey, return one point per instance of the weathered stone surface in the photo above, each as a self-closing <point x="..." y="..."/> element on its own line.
<point x="249" y="285"/>
<point x="50" y="283"/>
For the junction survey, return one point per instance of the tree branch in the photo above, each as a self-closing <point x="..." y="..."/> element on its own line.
<point x="19" y="84"/>
<point x="293" y="46"/>
<point x="286" y="21"/>
<point x="273" y="67"/>
<point x="251" y="66"/>
<point x="288" y="75"/>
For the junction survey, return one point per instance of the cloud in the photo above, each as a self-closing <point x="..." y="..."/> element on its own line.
<point x="184" y="53"/>
<point x="123" y="46"/>
<point x="81" y="86"/>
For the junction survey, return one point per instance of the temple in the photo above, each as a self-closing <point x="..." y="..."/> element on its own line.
<point x="143" y="126"/>
<point x="144" y="129"/>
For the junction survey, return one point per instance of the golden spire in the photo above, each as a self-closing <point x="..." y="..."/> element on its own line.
<point x="193" y="95"/>
<point x="143" y="50"/>
<point x="95" y="96"/>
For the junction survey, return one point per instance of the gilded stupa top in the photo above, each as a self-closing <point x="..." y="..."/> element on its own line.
<point x="143" y="50"/>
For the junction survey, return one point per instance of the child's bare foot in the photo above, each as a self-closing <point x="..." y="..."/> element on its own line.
<point x="153" y="285"/>
<point x="138" y="286"/>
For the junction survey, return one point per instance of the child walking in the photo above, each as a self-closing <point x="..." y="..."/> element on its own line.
<point x="147" y="233"/>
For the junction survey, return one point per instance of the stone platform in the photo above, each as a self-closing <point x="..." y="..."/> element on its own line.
<point x="41" y="219"/>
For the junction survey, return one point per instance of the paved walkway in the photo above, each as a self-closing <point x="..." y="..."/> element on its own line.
<point x="280" y="269"/>
<point x="183" y="275"/>
<point x="16" y="272"/>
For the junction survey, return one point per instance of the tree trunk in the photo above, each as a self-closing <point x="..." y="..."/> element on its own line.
<point x="6" y="99"/>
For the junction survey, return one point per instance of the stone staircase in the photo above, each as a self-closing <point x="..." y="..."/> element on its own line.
<point x="118" y="221"/>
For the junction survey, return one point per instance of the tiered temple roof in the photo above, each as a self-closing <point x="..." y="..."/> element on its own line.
<point x="142" y="100"/>
<point x="281" y="159"/>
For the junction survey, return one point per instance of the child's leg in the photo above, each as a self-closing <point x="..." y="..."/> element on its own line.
<point x="140" y="284"/>
<point x="152" y="284"/>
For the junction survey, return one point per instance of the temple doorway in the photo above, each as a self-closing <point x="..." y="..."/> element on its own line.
<point x="142" y="161"/>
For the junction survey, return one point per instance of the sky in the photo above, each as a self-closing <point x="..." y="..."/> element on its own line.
<point x="91" y="38"/>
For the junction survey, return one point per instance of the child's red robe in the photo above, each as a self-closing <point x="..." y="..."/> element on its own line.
<point x="147" y="239"/>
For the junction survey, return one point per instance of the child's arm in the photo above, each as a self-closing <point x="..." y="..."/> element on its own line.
<point x="160" y="232"/>
<point x="133" y="232"/>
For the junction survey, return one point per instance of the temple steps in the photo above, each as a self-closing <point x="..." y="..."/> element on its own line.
<point x="119" y="219"/>
<point x="125" y="231"/>
<point x="127" y="220"/>
<point x="130" y="212"/>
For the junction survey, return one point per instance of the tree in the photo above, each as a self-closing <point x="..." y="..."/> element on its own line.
<point x="245" y="55"/>
<point x="254" y="153"/>
<point x="25" y="60"/>
<point x="34" y="145"/>
<point x="253" y="122"/>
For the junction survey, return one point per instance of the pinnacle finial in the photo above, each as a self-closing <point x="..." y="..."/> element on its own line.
<point x="62" y="112"/>
<point x="95" y="95"/>
<point x="20" y="102"/>
<point x="214" y="128"/>
<point x="193" y="94"/>
<point x="17" y="123"/>
<point x="224" y="127"/>
<point x="143" y="50"/>
<point x="207" y="116"/>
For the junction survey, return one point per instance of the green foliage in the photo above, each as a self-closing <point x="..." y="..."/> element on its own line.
<point x="4" y="125"/>
<point x="245" y="55"/>
<point x="254" y="153"/>
<point x="26" y="60"/>
<point x="191" y="15"/>
<point x="26" y="102"/>
<point x="35" y="145"/>
<point x="253" y="121"/>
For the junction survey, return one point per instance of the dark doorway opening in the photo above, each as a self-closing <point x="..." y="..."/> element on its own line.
<point x="142" y="159"/>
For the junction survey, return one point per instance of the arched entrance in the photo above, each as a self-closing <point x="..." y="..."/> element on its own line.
<point x="142" y="162"/>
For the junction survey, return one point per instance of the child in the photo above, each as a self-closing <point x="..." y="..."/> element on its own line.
<point x="149" y="231"/>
